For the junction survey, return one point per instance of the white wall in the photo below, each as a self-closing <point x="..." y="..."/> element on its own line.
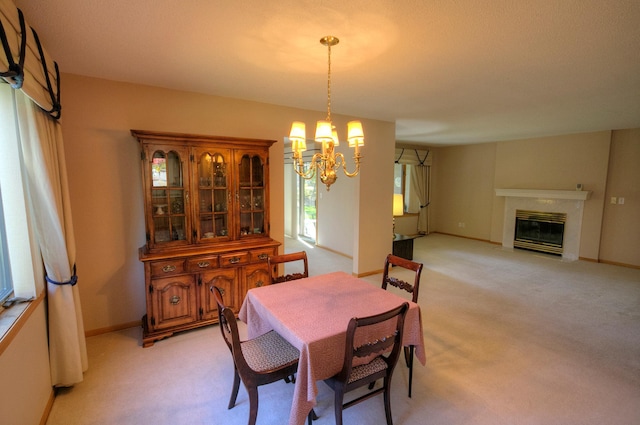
<point x="106" y="191"/>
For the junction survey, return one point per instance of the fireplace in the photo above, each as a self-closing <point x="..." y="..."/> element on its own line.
<point x="539" y="231"/>
<point x="567" y="202"/>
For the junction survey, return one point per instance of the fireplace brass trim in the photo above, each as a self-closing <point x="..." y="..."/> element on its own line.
<point x="549" y="217"/>
<point x="539" y="246"/>
<point x="539" y="216"/>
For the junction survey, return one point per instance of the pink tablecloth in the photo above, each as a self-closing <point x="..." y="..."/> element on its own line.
<point x="313" y="314"/>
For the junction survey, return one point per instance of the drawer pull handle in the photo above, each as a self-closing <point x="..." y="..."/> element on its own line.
<point x="203" y="264"/>
<point x="234" y="260"/>
<point x="263" y="256"/>
<point x="175" y="300"/>
<point x="169" y="268"/>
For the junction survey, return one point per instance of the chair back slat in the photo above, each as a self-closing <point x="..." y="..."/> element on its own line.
<point x="377" y="346"/>
<point x="274" y="261"/>
<point x="387" y="279"/>
<point x="378" y="338"/>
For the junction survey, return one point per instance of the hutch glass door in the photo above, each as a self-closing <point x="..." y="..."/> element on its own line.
<point x="213" y="195"/>
<point x="252" y="195"/>
<point x="167" y="197"/>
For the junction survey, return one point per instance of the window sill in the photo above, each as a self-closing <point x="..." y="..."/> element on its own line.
<point x="12" y="319"/>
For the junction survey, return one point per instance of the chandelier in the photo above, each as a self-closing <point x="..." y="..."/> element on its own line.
<point x="327" y="162"/>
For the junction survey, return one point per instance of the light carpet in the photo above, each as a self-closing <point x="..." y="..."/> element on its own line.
<point x="512" y="337"/>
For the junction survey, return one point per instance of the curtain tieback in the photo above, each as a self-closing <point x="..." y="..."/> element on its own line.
<point x="425" y="205"/>
<point x="72" y="281"/>
<point x="15" y="72"/>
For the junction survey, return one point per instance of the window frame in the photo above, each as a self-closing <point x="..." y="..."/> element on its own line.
<point x="6" y="281"/>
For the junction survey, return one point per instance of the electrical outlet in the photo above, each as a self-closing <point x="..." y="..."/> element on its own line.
<point x="614" y="200"/>
<point x="620" y="201"/>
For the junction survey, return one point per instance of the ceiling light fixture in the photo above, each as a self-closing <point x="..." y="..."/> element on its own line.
<point x="328" y="161"/>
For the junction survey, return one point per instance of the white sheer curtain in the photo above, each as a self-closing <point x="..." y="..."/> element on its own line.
<point x="420" y="181"/>
<point x="44" y="162"/>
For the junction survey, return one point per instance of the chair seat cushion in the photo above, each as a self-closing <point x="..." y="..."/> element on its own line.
<point x="362" y="371"/>
<point x="269" y="351"/>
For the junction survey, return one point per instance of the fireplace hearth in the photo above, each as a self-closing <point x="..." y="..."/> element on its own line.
<point x="540" y="231"/>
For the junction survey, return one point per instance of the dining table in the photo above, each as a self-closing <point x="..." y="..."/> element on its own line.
<point x="312" y="314"/>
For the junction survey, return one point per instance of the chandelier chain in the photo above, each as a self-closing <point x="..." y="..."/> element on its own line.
<point x="329" y="85"/>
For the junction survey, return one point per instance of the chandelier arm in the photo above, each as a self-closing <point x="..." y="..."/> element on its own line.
<point x="298" y="166"/>
<point x="356" y="160"/>
<point x="313" y="164"/>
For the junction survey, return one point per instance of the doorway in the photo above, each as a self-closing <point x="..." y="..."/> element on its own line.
<point x="307" y="208"/>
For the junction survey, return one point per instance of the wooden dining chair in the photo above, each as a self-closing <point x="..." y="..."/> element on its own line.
<point x="262" y="360"/>
<point x="384" y="347"/>
<point x="411" y="288"/>
<point x="298" y="258"/>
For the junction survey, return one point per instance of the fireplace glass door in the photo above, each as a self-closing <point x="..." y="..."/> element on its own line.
<point x="540" y="231"/>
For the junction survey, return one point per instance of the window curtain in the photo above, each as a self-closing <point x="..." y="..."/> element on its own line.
<point x="25" y="65"/>
<point x="420" y="161"/>
<point x="44" y="162"/>
<point x="420" y="181"/>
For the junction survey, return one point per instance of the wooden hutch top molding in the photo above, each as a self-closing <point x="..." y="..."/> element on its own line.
<point x="195" y="139"/>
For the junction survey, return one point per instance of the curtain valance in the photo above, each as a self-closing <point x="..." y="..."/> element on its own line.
<point x="412" y="156"/>
<point x="24" y="63"/>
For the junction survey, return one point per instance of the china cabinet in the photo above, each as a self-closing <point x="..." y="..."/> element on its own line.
<point x="206" y="205"/>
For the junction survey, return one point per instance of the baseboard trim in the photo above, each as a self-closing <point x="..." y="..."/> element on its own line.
<point x="467" y="237"/>
<point x="368" y="273"/>
<point x="335" y="252"/>
<point x="48" y="407"/>
<point x="615" y="263"/>
<point x="108" y="329"/>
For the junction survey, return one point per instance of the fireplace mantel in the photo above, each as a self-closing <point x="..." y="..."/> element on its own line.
<point x="577" y="195"/>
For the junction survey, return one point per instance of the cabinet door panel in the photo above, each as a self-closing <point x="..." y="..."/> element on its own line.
<point x="256" y="275"/>
<point x="174" y="302"/>
<point x="227" y="281"/>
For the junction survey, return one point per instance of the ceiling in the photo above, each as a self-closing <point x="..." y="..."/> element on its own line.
<point x="445" y="71"/>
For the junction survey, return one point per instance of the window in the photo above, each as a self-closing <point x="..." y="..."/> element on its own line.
<point x="6" y="285"/>
<point x="402" y="184"/>
<point x="21" y="271"/>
